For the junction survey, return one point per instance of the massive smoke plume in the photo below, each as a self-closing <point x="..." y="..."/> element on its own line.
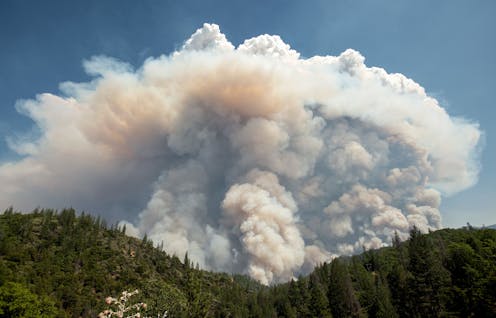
<point x="251" y="159"/>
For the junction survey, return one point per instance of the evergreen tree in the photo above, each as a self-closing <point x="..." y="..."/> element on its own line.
<point x="341" y="295"/>
<point x="427" y="277"/>
<point x="383" y="305"/>
<point x="303" y="307"/>
<point x="319" y="304"/>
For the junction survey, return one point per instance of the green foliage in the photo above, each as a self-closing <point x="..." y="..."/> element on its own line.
<point x="319" y="303"/>
<point x="65" y="265"/>
<point x="427" y="277"/>
<point x="341" y="293"/>
<point x="17" y="300"/>
<point x="76" y="262"/>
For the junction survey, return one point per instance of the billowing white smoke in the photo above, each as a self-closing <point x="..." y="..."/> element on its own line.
<point x="252" y="159"/>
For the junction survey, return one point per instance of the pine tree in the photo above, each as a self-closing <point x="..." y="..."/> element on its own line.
<point x="319" y="304"/>
<point x="341" y="295"/>
<point x="427" y="276"/>
<point x="186" y="261"/>
<point x="384" y="307"/>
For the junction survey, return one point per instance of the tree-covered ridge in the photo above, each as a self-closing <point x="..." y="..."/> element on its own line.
<point x="447" y="273"/>
<point x="63" y="265"/>
<point x="73" y="263"/>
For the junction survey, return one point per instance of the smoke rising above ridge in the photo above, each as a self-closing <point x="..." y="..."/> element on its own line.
<point x="250" y="158"/>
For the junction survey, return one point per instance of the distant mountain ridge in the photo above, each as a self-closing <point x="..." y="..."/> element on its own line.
<point x="492" y="227"/>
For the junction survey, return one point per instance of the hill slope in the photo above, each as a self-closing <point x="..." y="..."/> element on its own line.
<point x="60" y="265"/>
<point x="74" y="263"/>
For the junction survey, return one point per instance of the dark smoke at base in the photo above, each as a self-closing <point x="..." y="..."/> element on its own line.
<point x="252" y="159"/>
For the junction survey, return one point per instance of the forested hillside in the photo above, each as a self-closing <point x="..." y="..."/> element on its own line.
<point x="63" y="265"/>
<point x="70" y="264"/>
<point x="448" y="273"/>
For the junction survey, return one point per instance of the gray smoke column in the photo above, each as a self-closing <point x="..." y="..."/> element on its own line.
<point x="251" y="159"/>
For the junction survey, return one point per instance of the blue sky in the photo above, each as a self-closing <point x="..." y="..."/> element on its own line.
<point x="447" y="46"/>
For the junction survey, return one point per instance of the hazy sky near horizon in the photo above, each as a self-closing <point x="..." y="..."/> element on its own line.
<point x="448" y="47"/>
